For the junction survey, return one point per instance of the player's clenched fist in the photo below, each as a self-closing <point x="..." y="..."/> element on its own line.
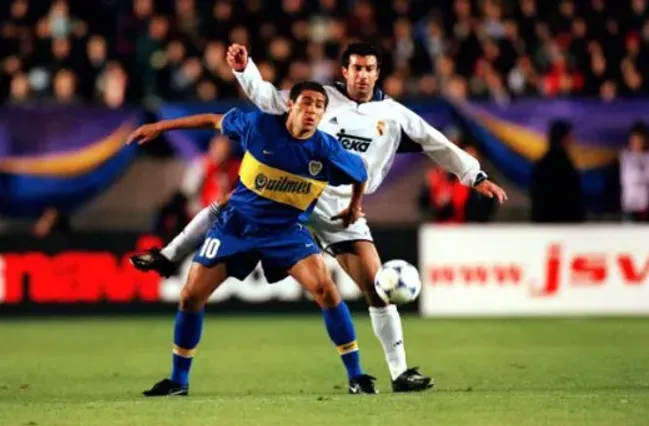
<point x="144" y="134"/>
<point x="237" y="57"/>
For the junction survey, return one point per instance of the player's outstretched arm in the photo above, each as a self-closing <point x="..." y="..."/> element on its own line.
<point x="262" y="93"/>
<point x="447" y="154"/>
<point x="148" y="132"/>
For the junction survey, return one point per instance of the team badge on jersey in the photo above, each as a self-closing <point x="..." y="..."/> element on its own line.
<point x="315" y="167"/>
<point x="380" y="127"/>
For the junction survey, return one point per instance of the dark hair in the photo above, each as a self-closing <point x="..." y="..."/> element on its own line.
<point x="360" y="49"/>
<point x="559" y="130"/>
<point x="314" y="86"/>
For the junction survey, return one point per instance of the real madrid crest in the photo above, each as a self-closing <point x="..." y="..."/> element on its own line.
<point x="380" y="127"/>
<point x="315" y="167"/>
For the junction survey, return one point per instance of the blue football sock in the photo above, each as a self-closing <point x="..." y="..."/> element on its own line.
<point x="341" y="331"/>
<point x="187" y="333"/>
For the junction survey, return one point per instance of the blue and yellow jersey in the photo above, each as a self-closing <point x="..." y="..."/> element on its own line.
<point x="281" y="177"/>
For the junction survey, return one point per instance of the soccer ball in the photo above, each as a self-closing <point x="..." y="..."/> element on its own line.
<point x="397" y="282"/>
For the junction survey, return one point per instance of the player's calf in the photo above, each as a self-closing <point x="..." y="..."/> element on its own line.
<point x="201" y="283"/>
<point x="361" y="261"/>
<point x="312" y="274"/>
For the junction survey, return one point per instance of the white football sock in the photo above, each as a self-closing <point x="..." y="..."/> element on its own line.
<point x="386" y="323"/>
<point x="192" y="235"/>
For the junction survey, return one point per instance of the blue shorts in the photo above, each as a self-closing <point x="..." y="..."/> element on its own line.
<point x="241" y="245"/>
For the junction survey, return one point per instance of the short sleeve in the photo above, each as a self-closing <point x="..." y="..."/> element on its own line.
<point x="236" y="123"/>
<point x="344" y="168"/>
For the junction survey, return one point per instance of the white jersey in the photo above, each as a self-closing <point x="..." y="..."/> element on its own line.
<point x="372" y="129"/>
<point x="634" y="179"/>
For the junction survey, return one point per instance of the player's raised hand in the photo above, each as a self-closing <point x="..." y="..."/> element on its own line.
<point x="144" y="134"/>
<point x="349" y="215"/>
<point x="491" y="190"/>
<point x="237" y="57"/>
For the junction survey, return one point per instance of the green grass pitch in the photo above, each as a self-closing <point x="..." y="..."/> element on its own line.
<point x="283" y="371"/>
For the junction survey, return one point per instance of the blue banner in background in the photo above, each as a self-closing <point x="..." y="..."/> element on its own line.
<point x="596" y="123"/>
<point x="61" y="156"/>
<point x="513" y="136"/>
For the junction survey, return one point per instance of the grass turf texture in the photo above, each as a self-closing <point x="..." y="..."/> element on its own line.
<point x="284" y="371"/>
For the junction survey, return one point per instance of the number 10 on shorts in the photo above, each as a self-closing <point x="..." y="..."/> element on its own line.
<point x="210" y="248"/>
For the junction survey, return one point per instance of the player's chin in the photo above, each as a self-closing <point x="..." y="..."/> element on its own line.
<point x="364" y="89"/>
<point x="309" y="124"/>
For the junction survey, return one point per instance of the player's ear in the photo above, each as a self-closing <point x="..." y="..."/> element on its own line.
<point x="290" y="104"/>
<point x="344" y="72"/>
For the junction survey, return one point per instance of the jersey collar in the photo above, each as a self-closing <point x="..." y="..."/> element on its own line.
<point x="378" y="94"/>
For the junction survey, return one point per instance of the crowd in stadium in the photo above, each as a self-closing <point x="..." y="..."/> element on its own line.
<point x="144" y="52"/>
<point x="123" y="51"/>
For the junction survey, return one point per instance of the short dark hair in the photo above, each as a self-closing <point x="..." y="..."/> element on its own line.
<point x="314" y="86"/>
<point x="360" y="49"/>
<point x="560" y="129"/>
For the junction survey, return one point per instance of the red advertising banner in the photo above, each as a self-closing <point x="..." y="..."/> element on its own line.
<point x="91" y="273"/>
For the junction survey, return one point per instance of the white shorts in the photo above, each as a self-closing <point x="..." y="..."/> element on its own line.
<point x="331" y="232"/>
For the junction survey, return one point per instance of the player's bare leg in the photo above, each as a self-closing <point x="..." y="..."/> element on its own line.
<point x="311" y="272"/>
<point x="361" y="261"/>
<point x="201" y="283"/>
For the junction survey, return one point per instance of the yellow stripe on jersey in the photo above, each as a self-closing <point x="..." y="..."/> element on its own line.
<point x="278" y="185"/>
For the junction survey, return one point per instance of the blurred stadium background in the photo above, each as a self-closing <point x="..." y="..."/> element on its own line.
<point x="494" y="75"/>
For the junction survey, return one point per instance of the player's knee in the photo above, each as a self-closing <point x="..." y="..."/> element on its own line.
<point x="191" y="301"/>
<point x="325" y="293"/>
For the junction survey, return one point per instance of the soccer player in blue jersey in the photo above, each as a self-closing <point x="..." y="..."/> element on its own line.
<point x="286" y="166"/>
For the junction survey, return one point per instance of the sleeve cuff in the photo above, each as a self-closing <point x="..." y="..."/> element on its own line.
<point x="479" y="178"/>
<point x="248" y="72"/>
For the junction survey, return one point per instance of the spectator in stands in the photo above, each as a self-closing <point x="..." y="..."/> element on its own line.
<point x="59" y="23"/>
<point x="209" y="178"/>
<point x="150" y="54"/>
<point x="19" y="91"/>
<point x="212" y="176"/>
<point x="93" y="65"/>
<point x="444" y="199"/>
<point x="556" y="191"/>
<point x="112" y="85"/>
<point x="488" y="49"/>
<point x="64" y="87"/>
<point x="634" y="175"/>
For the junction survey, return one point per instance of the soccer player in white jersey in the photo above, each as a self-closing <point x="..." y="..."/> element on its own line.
<point x="374" y="126"/>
